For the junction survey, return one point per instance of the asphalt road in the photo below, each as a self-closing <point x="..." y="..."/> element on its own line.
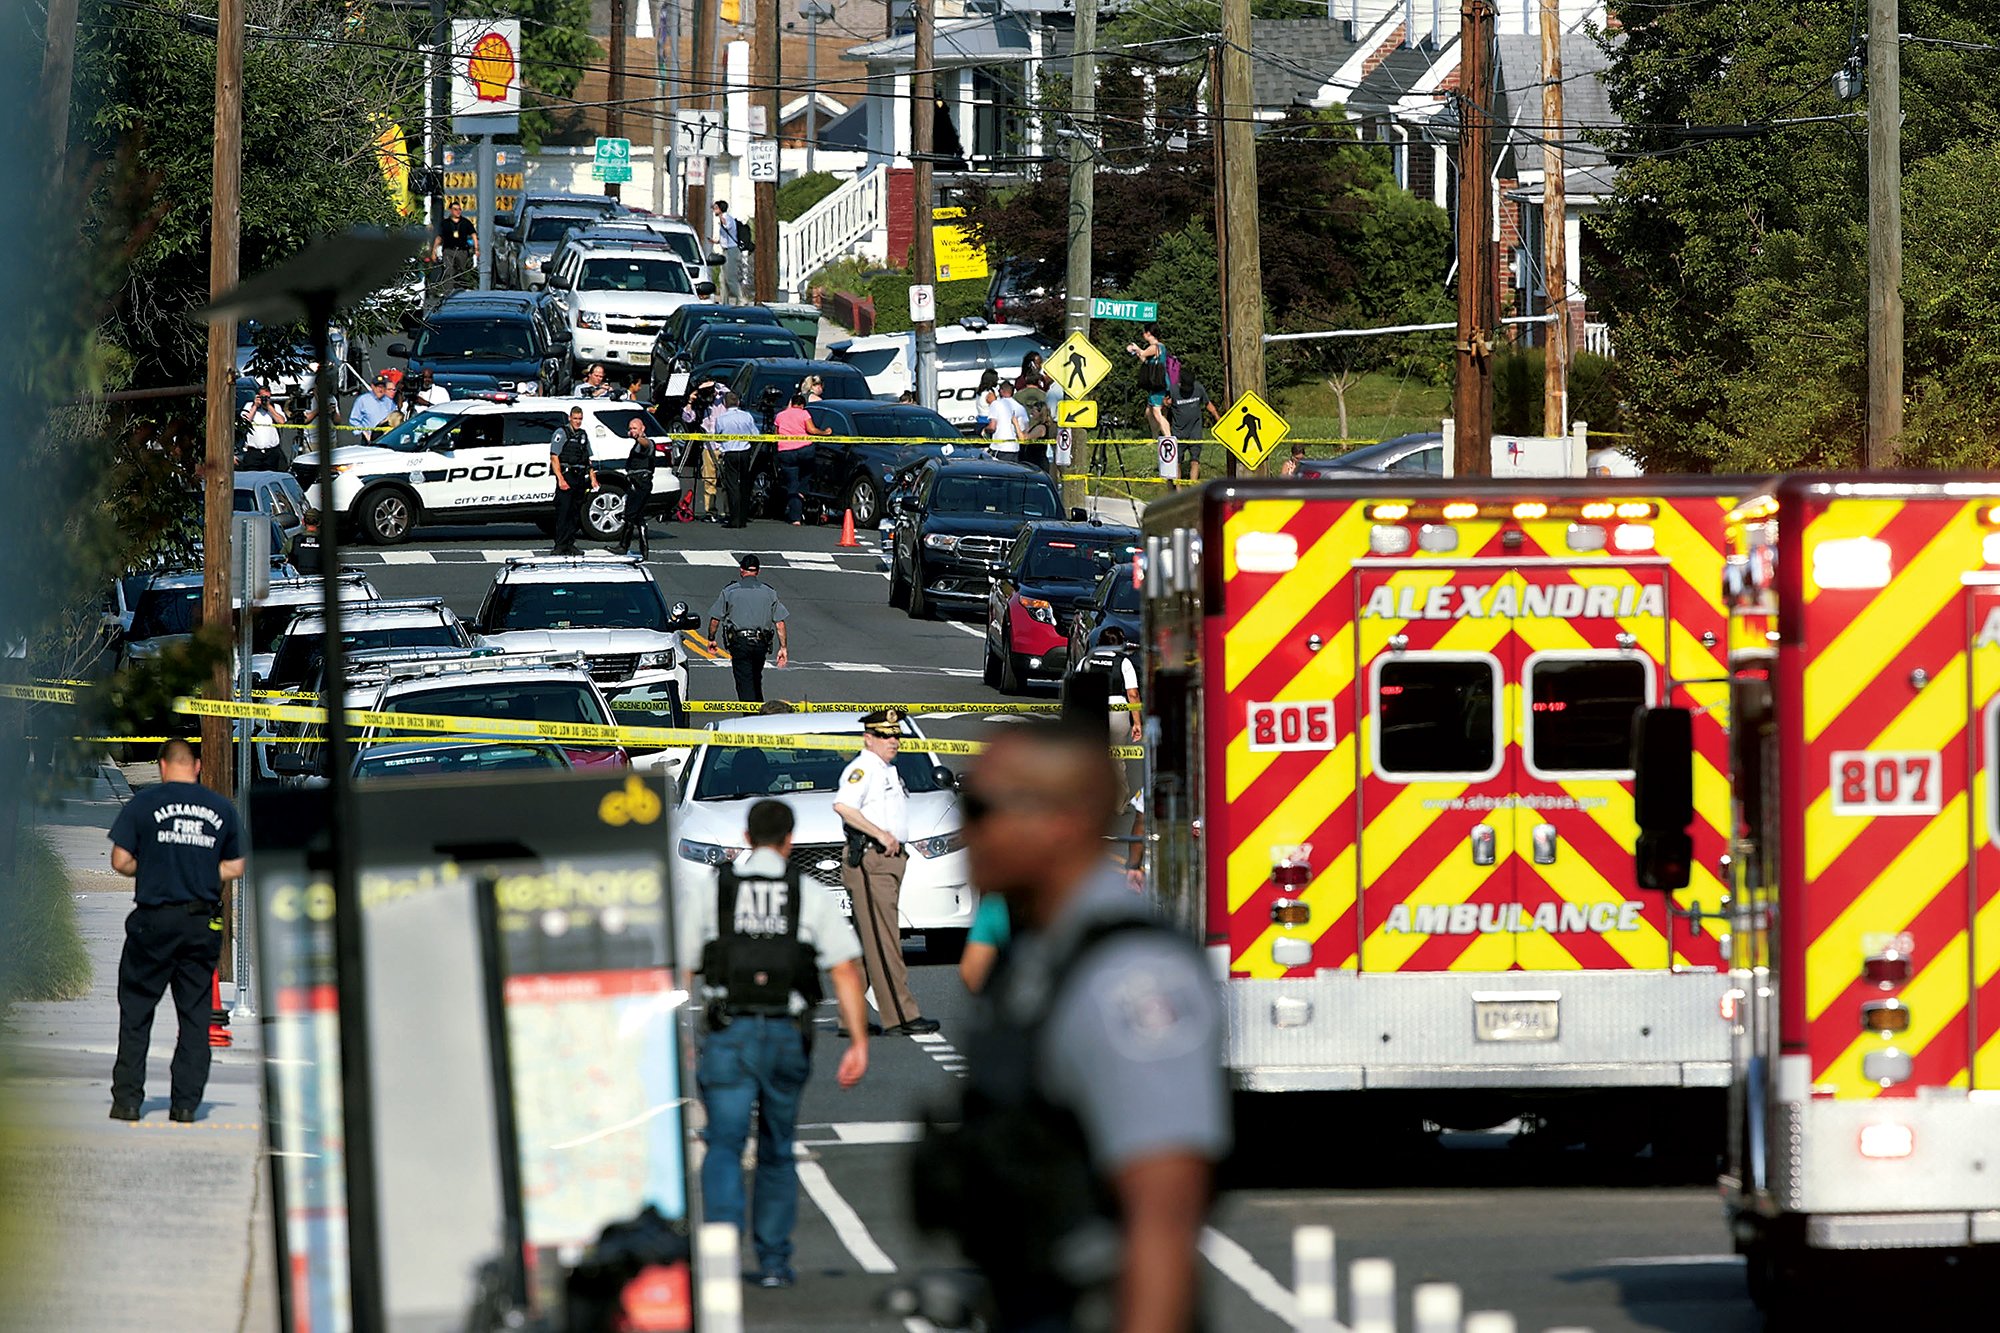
<point x="1561" y="1239"/>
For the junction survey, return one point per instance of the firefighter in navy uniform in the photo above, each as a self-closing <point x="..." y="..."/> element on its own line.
<point x="1078" y="1172"/>
<point x="639" y="465"/>
<point x="569" y="460"/>
<point x="760" y="941"/>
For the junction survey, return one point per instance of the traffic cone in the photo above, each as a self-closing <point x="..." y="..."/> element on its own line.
<point x="218" y="1019"/>
<point x="847" y="529"/>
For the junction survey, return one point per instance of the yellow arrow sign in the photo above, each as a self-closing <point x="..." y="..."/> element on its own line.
<point x="1252" y="430"/>
<point x="1077" y="414"/>
<point x="1077" y="366"/>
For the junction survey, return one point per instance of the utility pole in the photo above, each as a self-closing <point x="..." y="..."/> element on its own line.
<point x="614" y="113"/>
<point x="1885" y="235"/>
<point x="665" y="21"/>
<point x="1082" y="167"/>
<point x="814" y="12"/>
<point x="218" y="486"/>
<point x="1555" y="229"/>
<point x="923" y="140"/>
<point x="440" y="120"/>
<point x="766" y="60"/>
<point x="700" y="78"/>
<point x="1472" y="396"/>
<point x="1214" y="71"/>
<point x="1243" y="310"/>
<point x="58" y="73"/>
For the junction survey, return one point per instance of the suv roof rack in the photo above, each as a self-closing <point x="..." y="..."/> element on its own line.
<point x="583" y="558"/>
<point x="387" y="604"/>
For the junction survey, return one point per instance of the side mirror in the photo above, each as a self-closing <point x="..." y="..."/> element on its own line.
<point x="944" y="778"/>
<point x="716" y="261"/>
<point x="1079" y="515"/>
<point x="399" y="349"/>
<point x="704" y="290"/>
<point x="1663" y="796"/>
<point x="292" y="764"/>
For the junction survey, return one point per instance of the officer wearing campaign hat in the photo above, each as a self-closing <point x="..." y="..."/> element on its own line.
<point x="873" y="803"/>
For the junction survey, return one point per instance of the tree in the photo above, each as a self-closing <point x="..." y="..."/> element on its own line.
<point x="1735" y="267"/>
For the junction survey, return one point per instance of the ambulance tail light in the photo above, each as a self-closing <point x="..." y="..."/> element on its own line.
<point x="1990" y="548"/>
<point x="1886" y="1139"/>
<point x="1886" y="970"/>
<point x="1291" y="866"/>
<point x="1290" y="912"/>
<point x="1633" y="537"/>
<point x="1885" y="1016"/>
<point x="1849" y="563"/>
<point x="1389" y="539"/>
<point x="1437" y="537"/>
<point x="1586" y="536"/>
<point x="1459" y="510"/>
<point x="1531" y="509"/>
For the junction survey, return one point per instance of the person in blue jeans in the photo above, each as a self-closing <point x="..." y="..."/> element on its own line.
<point x="760" y="940"/>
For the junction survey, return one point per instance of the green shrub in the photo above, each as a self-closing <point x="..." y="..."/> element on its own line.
<point x="1594" y="394"/>
<point x="41" y="954"/>
<point x="800" y="193"/>
<point x="955" y="300"/>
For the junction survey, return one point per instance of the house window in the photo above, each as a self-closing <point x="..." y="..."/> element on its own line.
<point x="996" y="122"/>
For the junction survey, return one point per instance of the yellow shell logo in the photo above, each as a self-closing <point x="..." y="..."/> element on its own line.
<point x="491" y="68"/>
<point x="635" y="803"/>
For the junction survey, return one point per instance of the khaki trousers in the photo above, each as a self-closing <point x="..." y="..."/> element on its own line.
<point x="876" y="885"/>
<point x="708" y="480"/>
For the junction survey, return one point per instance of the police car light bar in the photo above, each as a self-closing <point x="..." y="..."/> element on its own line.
<point x="580" y="558"/>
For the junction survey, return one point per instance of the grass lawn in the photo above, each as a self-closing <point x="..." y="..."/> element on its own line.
<point x="1378" y="406"/>
<point x="41" y="955"/>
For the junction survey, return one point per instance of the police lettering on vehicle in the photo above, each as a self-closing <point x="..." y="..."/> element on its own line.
<point x="496" y="472"/>
<point x="1513" y="918"/>
<point x="1560" y="601"/>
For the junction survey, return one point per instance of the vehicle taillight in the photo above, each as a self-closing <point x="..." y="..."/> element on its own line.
<point x="1886" y="970"/>
<point x="1885" y="1016"/>
<point x="1887" y="1139"/>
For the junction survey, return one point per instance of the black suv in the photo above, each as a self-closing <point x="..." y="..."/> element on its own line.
<point x="481" y="346"/>
<point x="953" y="531"/>
<point x="690" y="319"/>
<point x="1111" y="617"/>
<point x="853" y="472"/>
<point x="766" y="384"/>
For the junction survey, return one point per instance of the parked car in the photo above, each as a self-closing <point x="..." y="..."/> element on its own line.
<point x="525" y="688"/>
<point x="1110" y="618"/>
<point x="456" y="760"/>
<point x="682" y="239"/>
<point x="1015" y="295"/>
<point x="473" y="347"/>
<point x="521" y="252"/>
<point x="766" y="384"/>
<point x="618" y="295"/>
<point x="966" y="351"/>
<point x="1049" y="573"/>
<point x="403" y="623"/>
<point x="692" y="318"/>
<point x="279" y="497"/>
<point x="850" y="473"/>
<point x="599" y="205"/>
<point x="956" y="527"/>
<point x="1417" y="455"/>
<point x="546" y="310"/>
<point x="717" y="785"/>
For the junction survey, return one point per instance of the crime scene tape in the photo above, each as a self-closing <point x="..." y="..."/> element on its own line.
<point x="43" y="694"/>
<point x="589" y="733"/>
<point x="822" y="706"/>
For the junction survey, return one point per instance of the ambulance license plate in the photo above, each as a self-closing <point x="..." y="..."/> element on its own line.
<point x="1515" y="1019"/>
<point x="845" y="900"/>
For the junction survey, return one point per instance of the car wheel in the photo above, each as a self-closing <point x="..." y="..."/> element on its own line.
<point x="920" y="604"/>
<point x="604" y="517"/>
<point x="387" y="515"/>
<point x="990" y="669"/>
<point x="864" y="499"/>
<point x="899" y="588"/>
<point x="1010" y="668"/>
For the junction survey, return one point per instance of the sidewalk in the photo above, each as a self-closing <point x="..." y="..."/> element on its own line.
<point x="106" y="1225"/>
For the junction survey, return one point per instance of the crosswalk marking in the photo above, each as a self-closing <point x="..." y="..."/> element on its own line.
<point x="846" y="1223"/>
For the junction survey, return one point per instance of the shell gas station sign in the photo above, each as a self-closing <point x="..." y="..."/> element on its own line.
<point x="485" y="74"/>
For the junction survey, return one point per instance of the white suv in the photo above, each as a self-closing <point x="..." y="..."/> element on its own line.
<point x="530" y="688"/>
<point x="476" y="461"/>
<point x="606" y="607"/>
<point x="719" y="783"/>
<point x="617" y="295"/>
<point x="966" y="351"/>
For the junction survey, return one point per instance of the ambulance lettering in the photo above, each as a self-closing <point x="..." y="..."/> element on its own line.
<point x="1561" y="601"/>
<point x="1989" y="630"/>
<point x="1513" y="918"/>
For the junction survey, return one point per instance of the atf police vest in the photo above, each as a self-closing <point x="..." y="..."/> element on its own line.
<point x="756" y="958"/>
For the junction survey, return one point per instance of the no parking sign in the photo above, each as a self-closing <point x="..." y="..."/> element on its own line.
<point x="1170" y="457"/>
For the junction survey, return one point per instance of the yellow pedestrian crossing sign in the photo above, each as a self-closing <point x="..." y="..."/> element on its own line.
<point x="1252" y="430"/>
<point x="1077" y="414"/>
<point x="1077" y="366"/>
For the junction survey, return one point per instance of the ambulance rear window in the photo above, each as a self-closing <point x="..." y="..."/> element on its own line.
<point x="1435" y="715"/>
<point x="1580" y="713"/>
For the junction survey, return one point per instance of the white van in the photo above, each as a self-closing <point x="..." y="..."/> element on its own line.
<point x="966" y="351"/>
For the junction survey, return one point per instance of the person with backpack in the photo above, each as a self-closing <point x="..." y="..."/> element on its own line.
<point x="1157" y="380"/>
<point x="760" y="940"/>
<point x="1078" y="1168"/>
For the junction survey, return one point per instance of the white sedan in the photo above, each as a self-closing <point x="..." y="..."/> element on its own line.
<point x="719" y="783"/>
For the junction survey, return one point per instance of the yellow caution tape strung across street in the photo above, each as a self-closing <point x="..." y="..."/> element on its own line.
<point x="41" y="694"/>
<point x="586" y="733"/>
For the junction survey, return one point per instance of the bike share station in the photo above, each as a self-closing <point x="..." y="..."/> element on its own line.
<point x="522" y="1056"/>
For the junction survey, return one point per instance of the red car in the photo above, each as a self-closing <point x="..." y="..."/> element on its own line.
<point x="1049" y="573"/>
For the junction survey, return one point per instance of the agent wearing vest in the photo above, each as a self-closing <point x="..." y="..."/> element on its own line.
<point x="760" y="942"/>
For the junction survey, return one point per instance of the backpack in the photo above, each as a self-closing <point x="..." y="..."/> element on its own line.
<point x="1174" y="380"/>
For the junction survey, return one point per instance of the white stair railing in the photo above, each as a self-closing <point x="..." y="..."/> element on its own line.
<point x="845" y="221"/>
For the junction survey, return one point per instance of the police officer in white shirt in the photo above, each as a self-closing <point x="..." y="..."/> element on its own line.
<point x="760" y="976"/>
<point x="874" y="805"/>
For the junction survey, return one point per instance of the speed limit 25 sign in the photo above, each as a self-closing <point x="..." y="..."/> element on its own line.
<point x="1296" y="724"/>
<point x="1885" y="782"/>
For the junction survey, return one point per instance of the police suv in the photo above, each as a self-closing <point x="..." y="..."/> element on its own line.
<point x="607" y="607"/>
<point x="475" y="461"/>
<point x="555" y="689"/>
<point x="966" y="351"/>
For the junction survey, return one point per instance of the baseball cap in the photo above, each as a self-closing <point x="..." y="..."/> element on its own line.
<point x="749" y="562"/>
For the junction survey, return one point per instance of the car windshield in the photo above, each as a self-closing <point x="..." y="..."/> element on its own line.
<point x="523" y="701"/>
<point x="551" y="229"/>
<point x="166" y="611"/>
<point x="739" y="773"/>
<point x="495" y="339"/>
<point x="297" y="657"/>
<point x="1028" y="496"/>
<point x="633" y="275"/>
<point x="1123" y="596"/>
<point x="1069" y="558"/>
<point x="413" y="436"/>
<point x="268" y="624"/>
<point x="576" y="606"/>
<point x="685" y="244"/>
<point x="459" y="759"/>
<point x="245" y="502"/>
<point x="748" y="342"/>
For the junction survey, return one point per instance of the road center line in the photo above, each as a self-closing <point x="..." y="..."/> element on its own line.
<point x="847" y="1223"/>
<point x="1235" y="1263"/>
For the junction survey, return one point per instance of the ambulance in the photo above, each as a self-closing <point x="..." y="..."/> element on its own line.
<point x="1389" y="771"/>
<point x="1864" y="673"/>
